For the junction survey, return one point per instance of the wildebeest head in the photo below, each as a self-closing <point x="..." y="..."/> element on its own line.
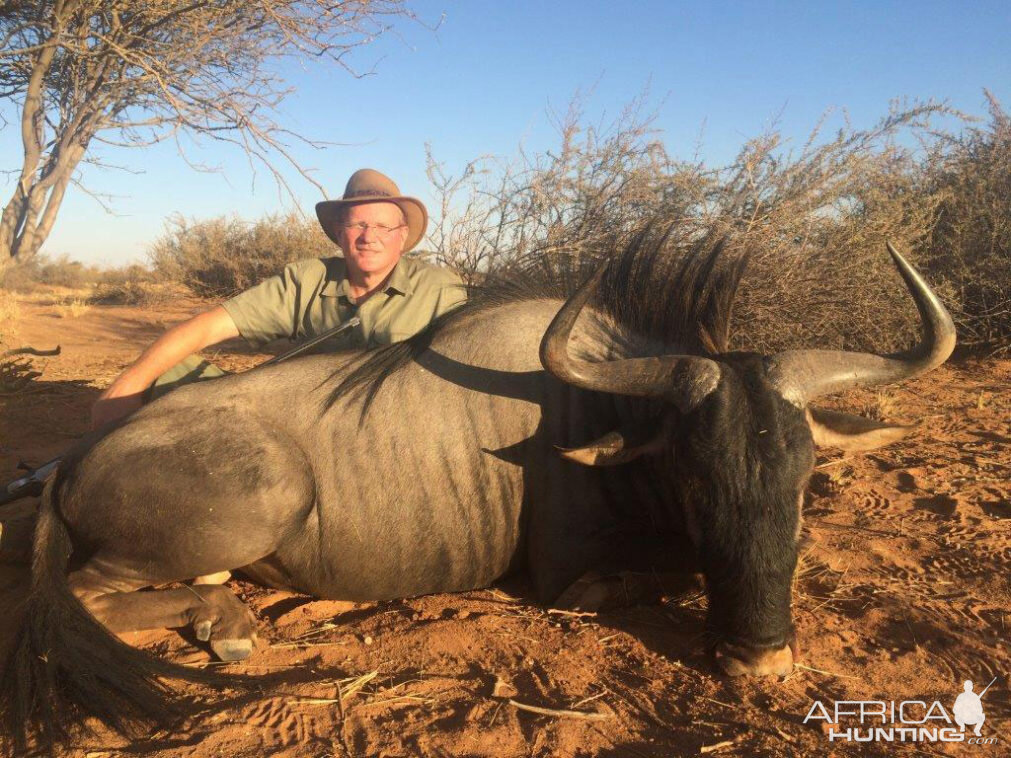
<point x="738" y="442"/>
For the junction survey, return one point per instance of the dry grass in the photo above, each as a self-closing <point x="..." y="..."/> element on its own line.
<point x="132" y="293"/>
<point x="73" y="286"/>
<point x="53" y="272"/>
<point x="17" y="367"/>
<point x="72" y="307"/>
<point x="10" y="319"/>
<point x="813" y="219"/>
<point x="883" y="406"/>
<point x="969" y="246"/>
<point x="12" y="368"/>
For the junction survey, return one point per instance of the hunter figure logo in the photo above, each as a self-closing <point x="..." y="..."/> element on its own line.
<point x="968" y="707"/>
<point x="904" y="721"/>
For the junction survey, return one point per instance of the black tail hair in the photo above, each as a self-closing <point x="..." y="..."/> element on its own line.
<point x="64" y="666"/>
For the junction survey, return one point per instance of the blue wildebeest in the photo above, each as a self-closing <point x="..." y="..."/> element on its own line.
<point x="442" y="463"/>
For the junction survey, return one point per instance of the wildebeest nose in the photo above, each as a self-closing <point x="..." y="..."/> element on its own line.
<point x="739" y="660"/>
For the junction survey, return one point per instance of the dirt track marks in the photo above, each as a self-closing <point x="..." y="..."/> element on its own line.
<point x="280" y="722"/>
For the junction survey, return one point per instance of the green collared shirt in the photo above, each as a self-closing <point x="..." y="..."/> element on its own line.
<point x="311" y="296"/>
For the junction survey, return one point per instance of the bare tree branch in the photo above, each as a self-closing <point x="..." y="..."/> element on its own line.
<point x="137" y="72"/>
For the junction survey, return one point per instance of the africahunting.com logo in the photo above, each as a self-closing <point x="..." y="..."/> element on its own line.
<point x="904" y="721"/>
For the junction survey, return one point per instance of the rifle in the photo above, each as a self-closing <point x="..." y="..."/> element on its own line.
<point x="987" y="687"/>
<point x="31" y="484"/>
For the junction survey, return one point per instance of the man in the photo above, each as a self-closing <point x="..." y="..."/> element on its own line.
<point x="394" y="297"/>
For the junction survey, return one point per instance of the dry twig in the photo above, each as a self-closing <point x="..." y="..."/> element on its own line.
<point x="561" y="713"/>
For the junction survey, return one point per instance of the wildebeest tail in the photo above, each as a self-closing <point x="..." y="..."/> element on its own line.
<point x="63" y="666"/>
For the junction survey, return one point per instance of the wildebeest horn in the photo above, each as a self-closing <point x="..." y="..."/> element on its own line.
<point x="802" y="375"/>
<point x="684" y="380"/>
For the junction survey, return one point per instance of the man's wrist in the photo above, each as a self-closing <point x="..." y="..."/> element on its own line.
<point x="130" y="382"/>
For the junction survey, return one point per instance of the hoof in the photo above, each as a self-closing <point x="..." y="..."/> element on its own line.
<point x="593" y="592"/>
<point x="737" y="660"/>
<point x="586" y="594"/>
<point x="232" y="650"/>
<point x="591" y="600"/>
<point x="219" y="578"/>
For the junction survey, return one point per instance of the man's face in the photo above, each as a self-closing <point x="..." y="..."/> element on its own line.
<point x="372" y="237"/>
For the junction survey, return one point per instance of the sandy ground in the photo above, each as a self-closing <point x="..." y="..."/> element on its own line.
<point x="902" y="594"/>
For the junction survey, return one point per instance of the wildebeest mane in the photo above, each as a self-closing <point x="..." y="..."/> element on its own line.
<point x="661" y="286"/>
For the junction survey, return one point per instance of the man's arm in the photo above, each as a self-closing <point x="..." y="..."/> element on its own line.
<point x="125" y="394"/>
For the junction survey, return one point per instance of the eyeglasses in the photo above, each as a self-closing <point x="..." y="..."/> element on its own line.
<point x="361" y="227"/>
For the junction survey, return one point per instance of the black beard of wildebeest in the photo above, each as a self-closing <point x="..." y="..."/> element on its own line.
<point x="744" y="458"/>
<point x="543" y="425"/>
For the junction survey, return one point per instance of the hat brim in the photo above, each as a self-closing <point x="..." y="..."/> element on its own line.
<point x="414" y="210"/>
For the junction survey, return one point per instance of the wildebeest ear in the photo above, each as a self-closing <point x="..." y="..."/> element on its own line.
<point x="620" y="446"/>
<point x="849" y="432"/>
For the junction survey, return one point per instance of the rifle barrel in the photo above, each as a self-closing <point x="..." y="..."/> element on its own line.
<point x="986" y="688"/>
<point x="351" y="323"/>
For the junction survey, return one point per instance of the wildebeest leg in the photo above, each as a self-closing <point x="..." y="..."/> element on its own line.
<point x="212" y="611"/>
<point x="594" y="591"/>
<point x="629" y="576"/>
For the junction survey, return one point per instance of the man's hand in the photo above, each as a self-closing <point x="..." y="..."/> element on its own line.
<point x="125" y="395"/>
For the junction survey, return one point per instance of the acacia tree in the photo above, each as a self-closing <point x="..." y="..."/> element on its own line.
<point x="136" y="72"/>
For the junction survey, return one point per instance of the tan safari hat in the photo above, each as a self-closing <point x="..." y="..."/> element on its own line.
<point x="368" y="186"/>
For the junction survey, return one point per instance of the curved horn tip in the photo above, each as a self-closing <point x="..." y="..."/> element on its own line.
<point x="803" y="375"/>
<point x="898" y="258"/>
<point x="945" y="332"/>
<point x="909" y="273"/>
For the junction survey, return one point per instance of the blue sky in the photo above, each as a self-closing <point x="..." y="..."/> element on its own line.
<point x="483" y="82"/>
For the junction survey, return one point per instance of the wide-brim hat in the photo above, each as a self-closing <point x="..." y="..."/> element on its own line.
<point x="369" y="186"/>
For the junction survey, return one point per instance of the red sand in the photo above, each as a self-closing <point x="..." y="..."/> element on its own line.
<point x="902" y="594"/>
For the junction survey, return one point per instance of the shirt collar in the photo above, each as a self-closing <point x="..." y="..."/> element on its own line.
<point x="400" y="279"/>
<point x="337" y="284"/>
